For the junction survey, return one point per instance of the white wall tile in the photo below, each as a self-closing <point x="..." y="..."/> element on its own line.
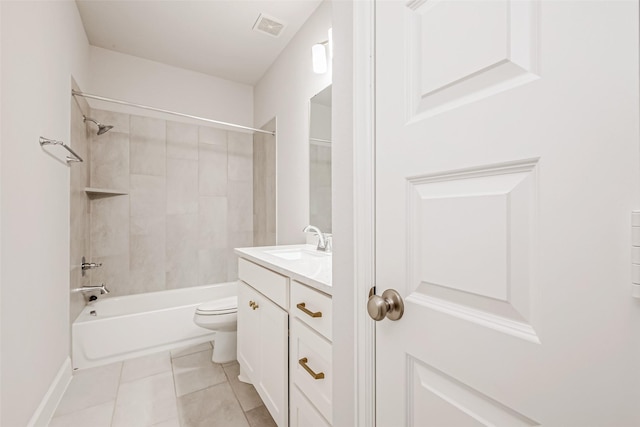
<point x="148" y="196"/>
<point x="148" y="254"/>
<point x="173" y="229"/>
<point x="240" y="161"/>
<point x="182" y="251"/>
<point x="109" y="152"/>
<point x="212" y="266"/>
<point x="212" y="222"/>
<point x="182" y="141"/>
<point x="240" y="206"/>
<point x="147" y="146"/>
<point x="212" y="169"/>
<point x="110" y="226"/>
<point x="182" y="186"/>
<point x="210" y="135"/>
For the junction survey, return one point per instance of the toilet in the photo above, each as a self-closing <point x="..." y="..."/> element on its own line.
<point x="221" y="316"/>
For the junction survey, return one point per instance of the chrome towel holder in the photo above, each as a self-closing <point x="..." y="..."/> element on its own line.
<point x="46" y="141"/>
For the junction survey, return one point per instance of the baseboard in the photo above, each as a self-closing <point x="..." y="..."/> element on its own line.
<point x="51" y="399"/>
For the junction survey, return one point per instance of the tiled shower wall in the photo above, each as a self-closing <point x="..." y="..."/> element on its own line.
<point x="264" y="187"/>
<point x="79" y="203"/>
<point x="188" y="203"/>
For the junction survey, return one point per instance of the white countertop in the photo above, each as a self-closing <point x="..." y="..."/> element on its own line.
<point x="311" y="267"/>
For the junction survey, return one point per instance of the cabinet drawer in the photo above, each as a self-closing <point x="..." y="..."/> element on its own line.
<point x="303" y="413"/>
<point x="272" y="285"/>
<point x="311" y="307"/>
<point x="309" y="348"/>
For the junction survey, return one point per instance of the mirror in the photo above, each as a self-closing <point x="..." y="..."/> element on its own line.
<point x="320" y="160"/>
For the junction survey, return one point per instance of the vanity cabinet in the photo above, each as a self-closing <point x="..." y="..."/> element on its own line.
<point x="262" y="346"/>
<point x="284" y="341"/>
<point x="310" y="353"/>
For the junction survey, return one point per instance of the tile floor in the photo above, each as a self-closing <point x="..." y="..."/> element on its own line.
<point x="181" y="388"/>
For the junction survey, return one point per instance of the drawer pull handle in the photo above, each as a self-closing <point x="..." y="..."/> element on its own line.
<point x="303" y="363"/>
<point x="301" y="306"/>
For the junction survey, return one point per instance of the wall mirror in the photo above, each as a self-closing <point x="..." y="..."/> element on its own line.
<point x="320" y="160"/>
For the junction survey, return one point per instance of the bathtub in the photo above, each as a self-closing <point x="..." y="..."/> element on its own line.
<point x="119" y="328"/>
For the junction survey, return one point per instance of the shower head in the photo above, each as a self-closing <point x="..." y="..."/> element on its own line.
<point x="101" y="128"/>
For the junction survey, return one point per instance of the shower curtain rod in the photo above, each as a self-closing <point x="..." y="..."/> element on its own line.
<point x="146" y="107"/>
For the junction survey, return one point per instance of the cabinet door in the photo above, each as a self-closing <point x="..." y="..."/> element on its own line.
<point x="303" y="413"/>
<point x="274" y="378"/>
<point x="248" y="332"/>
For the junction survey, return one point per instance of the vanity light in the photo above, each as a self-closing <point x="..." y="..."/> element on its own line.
<point x="319" y="55"/>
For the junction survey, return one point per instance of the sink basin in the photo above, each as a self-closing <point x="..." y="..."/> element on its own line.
<point x="295" y="254"/>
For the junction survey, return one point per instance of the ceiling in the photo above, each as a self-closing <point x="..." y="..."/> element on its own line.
<point x="213" y="37"/>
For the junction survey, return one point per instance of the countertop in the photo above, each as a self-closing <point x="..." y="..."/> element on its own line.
<point x="312" y="268"/>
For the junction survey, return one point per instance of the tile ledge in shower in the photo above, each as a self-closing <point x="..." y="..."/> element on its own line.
<point x="96" y="193"/>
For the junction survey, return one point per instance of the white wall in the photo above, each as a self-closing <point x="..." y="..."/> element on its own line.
<point x="344" y="336"/>
<point x="284" y="92"/>
<point x="137" y="80"/>
<point x="43" y="46"/>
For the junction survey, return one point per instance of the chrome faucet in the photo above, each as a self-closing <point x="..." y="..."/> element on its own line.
<point x="324" y="240"/>
<point x="102" y="288"/>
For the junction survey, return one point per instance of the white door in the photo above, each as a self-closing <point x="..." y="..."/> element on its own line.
<point x="507" y="167"/>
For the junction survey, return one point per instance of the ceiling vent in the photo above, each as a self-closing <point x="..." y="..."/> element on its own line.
<point x="268" y="25"/>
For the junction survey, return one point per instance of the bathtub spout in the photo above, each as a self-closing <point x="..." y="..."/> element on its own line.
<point x="102" y="288"/>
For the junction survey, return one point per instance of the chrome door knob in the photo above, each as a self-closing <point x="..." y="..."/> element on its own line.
<point x="389" y="304"/>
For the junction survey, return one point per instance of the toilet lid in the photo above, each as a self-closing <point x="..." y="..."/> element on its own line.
<point x="219" y="306"/>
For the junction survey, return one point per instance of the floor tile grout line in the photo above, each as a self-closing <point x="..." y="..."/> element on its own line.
<point x="175" y="390"/>
<point x="244" y="413"/>
<point x="115" y="400"/>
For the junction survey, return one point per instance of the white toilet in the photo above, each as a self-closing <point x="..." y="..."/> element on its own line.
<point x="221" y="316"/>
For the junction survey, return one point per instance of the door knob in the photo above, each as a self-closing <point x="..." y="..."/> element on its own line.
<point x="389" y="304"/>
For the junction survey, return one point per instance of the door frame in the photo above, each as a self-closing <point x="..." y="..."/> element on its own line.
<point x="364" y="206"/>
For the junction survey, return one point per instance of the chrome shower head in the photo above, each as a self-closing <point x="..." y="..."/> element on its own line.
<point x="101" y="128"/>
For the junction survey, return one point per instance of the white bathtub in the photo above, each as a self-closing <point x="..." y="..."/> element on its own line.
<point x="141" y="324"/>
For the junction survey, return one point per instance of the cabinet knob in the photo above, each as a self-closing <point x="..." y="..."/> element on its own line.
<point x="255" y="305"/>
<point x="252" y="303"/>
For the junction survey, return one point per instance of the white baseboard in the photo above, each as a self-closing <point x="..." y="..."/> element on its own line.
<point x="51" y="399"/>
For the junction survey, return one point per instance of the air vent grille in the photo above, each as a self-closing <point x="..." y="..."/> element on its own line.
<point x="268" y="25"/>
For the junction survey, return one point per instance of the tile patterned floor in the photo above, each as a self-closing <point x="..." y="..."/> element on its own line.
<point x="181" y="388"/>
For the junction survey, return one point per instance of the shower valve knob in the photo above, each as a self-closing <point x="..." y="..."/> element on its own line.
<point x="91" y="265"/>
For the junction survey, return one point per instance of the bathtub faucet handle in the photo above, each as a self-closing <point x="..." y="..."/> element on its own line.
<point x="91" y="265"/>
<point x="103" y="289"/>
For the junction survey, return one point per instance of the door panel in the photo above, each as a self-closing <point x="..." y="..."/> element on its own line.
<point x="470" y="242"/>
<point x="506" y="168"/>
<point x="447" y="402"/>
<point x="480" y="48"/>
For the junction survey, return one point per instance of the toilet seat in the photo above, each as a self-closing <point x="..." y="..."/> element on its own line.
<point x="218" y="307"/>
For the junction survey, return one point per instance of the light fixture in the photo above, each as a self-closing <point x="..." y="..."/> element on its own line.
<point x="319" y="55"/>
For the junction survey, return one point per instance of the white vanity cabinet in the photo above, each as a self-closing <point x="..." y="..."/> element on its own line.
<point x="310" y="356"/>
<point x="284" y="334"/>
<point x="263" y="329"/>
